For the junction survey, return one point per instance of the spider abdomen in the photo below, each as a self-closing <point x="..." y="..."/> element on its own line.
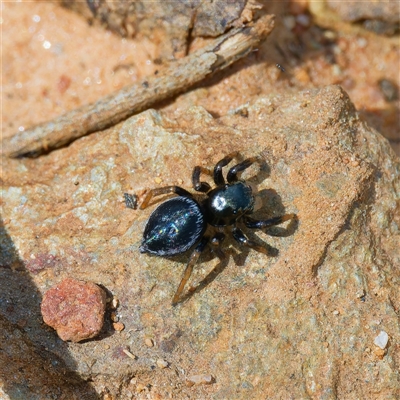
<point x="225" y="204"/>
<point x="173" y="227"/>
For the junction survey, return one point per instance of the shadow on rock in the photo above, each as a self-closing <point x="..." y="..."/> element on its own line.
<point x="29" y="364"/>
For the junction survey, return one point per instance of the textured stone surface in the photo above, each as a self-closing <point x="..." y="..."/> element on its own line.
<point x="358" y="11"/>
<point x="66" y="211"/>
<point x="174" y="23"/>
<point x="75" y="309"/>
<point x="312" y="57"/>
<point x="301" y="323"/>
<point x="29" y="371"/>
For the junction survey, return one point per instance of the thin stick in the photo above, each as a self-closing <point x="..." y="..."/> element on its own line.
<point x="132" y="99"/>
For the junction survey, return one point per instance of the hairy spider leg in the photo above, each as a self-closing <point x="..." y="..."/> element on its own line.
<point x="265" y="223"/>
<point x="199" y="186"/>
<point x="239" y="236"/>
<point x="218" y="177"/>
<point x="164" y="190"/>
<point x="232" y="173"/>
<point x="189" y="268"/>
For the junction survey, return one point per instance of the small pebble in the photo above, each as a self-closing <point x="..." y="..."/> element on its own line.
<point x="336" y="70"/>
<point x="162" y="363"/>
<point x="379" y="352"/>
<point x="330" y="35"/>
<point x="114" y="316"/>
<point x="381" y="340"/>
<point x="129" y="354"/>
<point x="199" y="380"/>
<point x="75" y="309"/>
<point x="336" y="312"/>
<point x="149" y="342"/>
<point x="389" y="89"/>
<point x="118" y="326"/>
<point x="360" y="293"/>
<point x="114" y="303"/>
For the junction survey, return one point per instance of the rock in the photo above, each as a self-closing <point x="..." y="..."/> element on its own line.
<point x="381" y="340"/>
<point x="199" y="380"/>
<point x="379" y="353"/>
<point x="175" y="23"/>
<point x="360" y="11"/>
<point x="262" y="326"/>
<point x="381" y="17"/>
<point x="28" y="371"/>
<point x="118" y="326"/>
<point x="75" y="309"/>
<point x="161" y="363"/>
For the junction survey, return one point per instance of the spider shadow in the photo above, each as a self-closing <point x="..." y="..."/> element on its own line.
<point x="262" y="174"/>
<point x="239" y="255"/>
<point x="210" y="277"/>
<point x="271" y="200"/>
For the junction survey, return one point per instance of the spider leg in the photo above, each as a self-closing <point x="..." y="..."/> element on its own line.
<point x="197" y="184"/>
<point x="239" y="236"/>
<point x="218" y="177"/>
<point x="163" y="190"/>
<point x="189" y="269"/>
<point x="265" y="223"/>
<point x="232" y="173"/>
<point x="215" y="242"/>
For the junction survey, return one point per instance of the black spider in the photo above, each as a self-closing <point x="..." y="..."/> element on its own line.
<point x="179" y="223"/>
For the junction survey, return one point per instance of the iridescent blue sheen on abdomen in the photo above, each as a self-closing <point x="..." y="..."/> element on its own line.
<point x="173" y="227"/>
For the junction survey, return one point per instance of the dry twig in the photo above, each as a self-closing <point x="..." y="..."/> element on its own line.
<point x="132" y="99"/>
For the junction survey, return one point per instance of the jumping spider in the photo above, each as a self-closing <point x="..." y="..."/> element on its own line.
<point x="179" y="223"/>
